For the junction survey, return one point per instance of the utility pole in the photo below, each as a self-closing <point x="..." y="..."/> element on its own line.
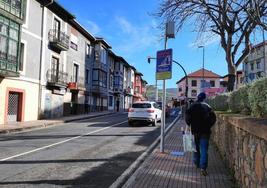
<point x="203" y="62"/>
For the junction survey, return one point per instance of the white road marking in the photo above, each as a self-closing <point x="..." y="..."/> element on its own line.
<point x="61" y="142"/>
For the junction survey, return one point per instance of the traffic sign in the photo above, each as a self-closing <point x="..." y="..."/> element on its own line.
<point x="164" y="64"/>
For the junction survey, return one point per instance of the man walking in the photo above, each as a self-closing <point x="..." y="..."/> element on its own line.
<point x="201" y="118"/>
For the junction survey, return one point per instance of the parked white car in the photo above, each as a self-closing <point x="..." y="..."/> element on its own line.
<point x="144" y="111"/>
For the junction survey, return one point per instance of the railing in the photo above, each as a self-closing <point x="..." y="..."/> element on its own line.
<point x="99" y="65"/>
<point x="56" y="77"/>
<point x="77" y="84"/>
<point x="59" y="39"/>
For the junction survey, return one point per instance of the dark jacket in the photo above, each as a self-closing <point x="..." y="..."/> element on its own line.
<point x="200" y="117"/>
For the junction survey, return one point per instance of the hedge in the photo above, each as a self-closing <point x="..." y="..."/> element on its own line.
<point x="250" y="99"/>
<point x="258" y="98"/>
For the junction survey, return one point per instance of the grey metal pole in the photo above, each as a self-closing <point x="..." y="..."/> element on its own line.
<point x="163" y="108"/>
<point x="264" y="53"/>
<point x="156" y="92"/>
<point x="203" y="63"/>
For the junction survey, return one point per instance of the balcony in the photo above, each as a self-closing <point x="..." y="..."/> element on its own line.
<point x="100" y="66"/>
<point x="99" y="90"/>
<point x="58" y="40"/>
<point x="77" y="85"/>
<point x="8" y="68"/>
<point x="57" y="78"/>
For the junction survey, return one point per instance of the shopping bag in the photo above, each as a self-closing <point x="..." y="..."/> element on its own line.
<point x="189" y="141"/>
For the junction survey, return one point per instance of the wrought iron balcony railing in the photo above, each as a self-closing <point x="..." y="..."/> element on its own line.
<point x="57" y="78"/>
<point x="59" y="39"/>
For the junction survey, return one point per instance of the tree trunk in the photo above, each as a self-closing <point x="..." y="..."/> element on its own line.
<point x="231" y="77"/>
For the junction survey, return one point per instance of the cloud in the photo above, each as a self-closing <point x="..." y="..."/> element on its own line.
<point x="135" y="38"/>
<point x="205" y="39"/>
<point x="93" y="27"/>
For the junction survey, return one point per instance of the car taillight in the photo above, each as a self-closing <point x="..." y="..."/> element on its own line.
<point x="131" y="110"/>
<point x="150" y="111"/>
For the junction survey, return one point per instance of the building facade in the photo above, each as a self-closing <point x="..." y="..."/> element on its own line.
<point x="51" y="66"/>
<point x="100" y="76"/>
<point x="138" y="87"/>
<point x="128" y="83"/>
<point x="211" y="87"/>
<point x="254" y="66"/>
<point x="118" y="83"/>
<point x="18" y="82"/>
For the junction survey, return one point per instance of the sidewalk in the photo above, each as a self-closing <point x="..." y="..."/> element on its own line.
<point x="172" y="171"/>
<point x="20" y="126"/>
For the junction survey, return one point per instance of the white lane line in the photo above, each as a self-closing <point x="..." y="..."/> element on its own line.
<point x="61" y="142"/>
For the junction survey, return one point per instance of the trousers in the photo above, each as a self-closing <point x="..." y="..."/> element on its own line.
<point x="200" y="157"/>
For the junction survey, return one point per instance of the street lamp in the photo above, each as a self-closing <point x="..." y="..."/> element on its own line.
<point x="203" y="61"/>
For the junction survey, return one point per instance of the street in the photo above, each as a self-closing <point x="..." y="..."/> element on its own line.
<point x="87" y="153"/>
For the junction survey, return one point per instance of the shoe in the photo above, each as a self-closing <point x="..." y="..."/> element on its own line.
<point x="203" y="172"/>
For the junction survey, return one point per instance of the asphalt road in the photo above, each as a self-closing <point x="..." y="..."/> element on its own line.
<point x="87" y="153"/>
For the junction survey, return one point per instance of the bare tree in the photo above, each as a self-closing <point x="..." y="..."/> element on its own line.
<point x="233" y="21"/>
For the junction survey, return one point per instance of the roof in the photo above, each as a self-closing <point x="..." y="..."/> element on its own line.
<point x="138" y="73"/>
<point x="207" y="74"/>
<point x="124" y="61"/>
<point x="58" y="9"/>
<point x="260" y="44"/>
<point x="81" y="29"/>
<point x="199" y="74"/>
<point x="99" y="39"/>
<point x="144" y="81"/>
<point x="111" y="53"/>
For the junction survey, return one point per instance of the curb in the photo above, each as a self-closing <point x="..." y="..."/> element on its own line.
<point x="136" y="164"/>
<point x="50" y="123"/>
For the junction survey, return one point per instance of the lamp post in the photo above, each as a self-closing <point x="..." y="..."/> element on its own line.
<point x="203" y="62"/>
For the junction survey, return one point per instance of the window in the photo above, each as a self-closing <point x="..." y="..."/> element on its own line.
<point x="117" y="66"/>
<point x="73" y="46"/>
<point x="193" y="93"/>
<point x="74" y="39"/>
<point x="88" y="50"/>
<point x="9" y="41"/>
<point x="212" y="83"/>
<point x="137" y="89"/>
<point x="103" y="56"/>
<point x="22" y="51"/>
<point x="193" y="83"/>
<point x="99" y="78"/>
<point x="14" y="7"/>
<point x="75" y="72"/>
<point x="258" y="64"/>
<point x="111" y="82"/>
<point x="252" y="66"/>
<point x="95" y="75"/>
<point x="141" y="105"/>
<point x="55" y="67"/>
<point x="110" y="101"/>
<point x="57" y="28"/>
<point x="87" y="76"/>
<point x="180" y="89"/>
<point x="117" y="81"/>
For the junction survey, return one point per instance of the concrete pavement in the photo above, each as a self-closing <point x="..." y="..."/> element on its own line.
<point x="21" y="126"/>
<point x="173" y="168"/>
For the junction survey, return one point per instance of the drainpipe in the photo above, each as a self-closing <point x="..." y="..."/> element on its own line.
<point x="41" y="57"/>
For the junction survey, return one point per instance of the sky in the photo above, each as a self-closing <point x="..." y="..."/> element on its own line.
<point x="131" y="29"/>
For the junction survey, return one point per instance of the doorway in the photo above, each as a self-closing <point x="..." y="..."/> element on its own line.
<point x="14" y="106"/>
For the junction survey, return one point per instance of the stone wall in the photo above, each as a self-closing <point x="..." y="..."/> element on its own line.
<point x="242" y="142"/>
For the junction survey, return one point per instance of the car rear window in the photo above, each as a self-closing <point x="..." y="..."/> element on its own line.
<point x="141" y="105"/>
